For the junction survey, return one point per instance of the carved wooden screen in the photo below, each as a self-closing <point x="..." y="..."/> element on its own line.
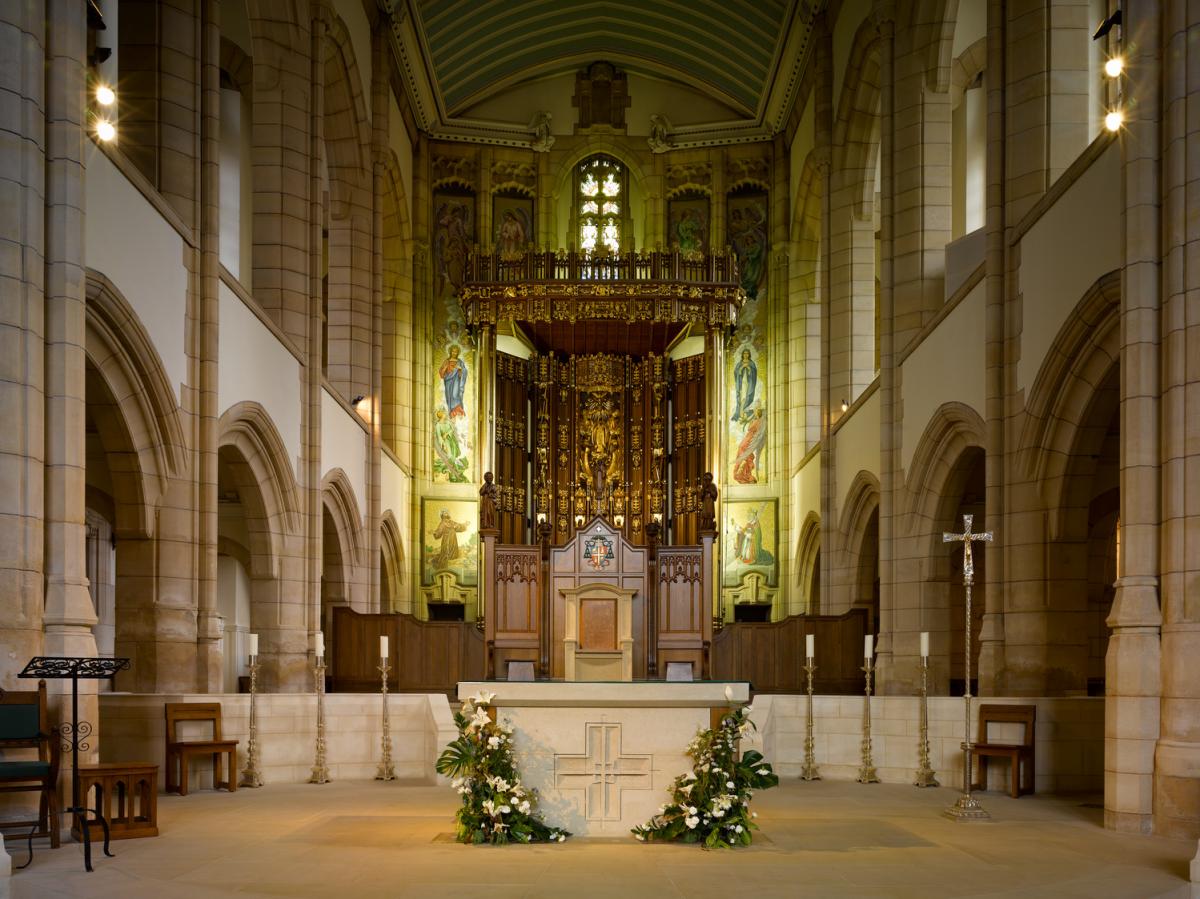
<point x="683" y="614"/>
<point x="688" y="445"/>
<point x="515" y="616"/>
<point x="599" y="407"/>
<point x="512" y="428"/>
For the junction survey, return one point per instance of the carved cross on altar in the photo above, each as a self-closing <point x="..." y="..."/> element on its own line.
<point x="602" y="772"/>
<point x="967" y="537"/>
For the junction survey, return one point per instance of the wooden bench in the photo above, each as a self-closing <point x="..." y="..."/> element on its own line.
<point x="126" y="795"/>
<point x="180" y="752"/>
<point x="1022" y="780"/>
<point x="25" y="724"/>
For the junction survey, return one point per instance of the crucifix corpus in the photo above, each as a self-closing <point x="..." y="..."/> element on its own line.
<point x="967" y="808"/>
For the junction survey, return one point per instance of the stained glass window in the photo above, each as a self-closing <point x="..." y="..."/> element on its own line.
<point x="601" y="184"/>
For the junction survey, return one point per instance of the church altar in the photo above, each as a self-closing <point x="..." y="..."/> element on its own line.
<point x="603" y="755"/>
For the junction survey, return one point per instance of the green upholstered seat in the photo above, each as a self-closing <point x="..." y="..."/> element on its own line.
<point x="18" y="722"/>
<point x="31" y="768"/>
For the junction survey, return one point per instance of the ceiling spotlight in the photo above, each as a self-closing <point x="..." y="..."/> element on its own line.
<point x="1114" y="120"/>
<point x="845" y="405"/>
<point x="1107" y="25"/>
<point x="1114" y="67"/>
<point x="105" y="130"/>
<point x="105" y="95"/>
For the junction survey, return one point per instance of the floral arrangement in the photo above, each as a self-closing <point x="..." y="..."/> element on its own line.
<point x="495" y="807"/>
<point x="711" y="803"/>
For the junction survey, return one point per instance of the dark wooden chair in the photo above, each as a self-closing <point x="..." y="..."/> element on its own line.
<point x="1022" y="780"/>
<point x="25" y="724"/>
<point x="180" y="752"/>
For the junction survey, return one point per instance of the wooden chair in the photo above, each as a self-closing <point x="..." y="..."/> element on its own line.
<point x="179" y="752"/>
<point x="25" y="724"/>
<point x="1022" y="778"/>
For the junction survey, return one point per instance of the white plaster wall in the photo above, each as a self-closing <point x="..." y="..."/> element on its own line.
<point x="948" y="366"/>
<point x="344" y="445"/>
<point x="402" y="147"/>
<point x="233" y="605"/>
<point x="850" y="16"/>
<point x="255" y="366"/>
<point x="351" y="12"/>
<point x="134" y="728"/>
<point x="1068" y="747"/>
<point x="148" y="271"/>
<point x="1075" y="242"/>
<point x="857" y="447"/>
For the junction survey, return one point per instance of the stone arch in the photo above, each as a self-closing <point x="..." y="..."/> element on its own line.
<point x="856" y="129"/>
<point x="238" y="65"/>
<point x="343" y="550"/>
<point x="564" y="183"/>
<point x="347" y="143"/>
<point x="808" y="564"/>
<point x="144" y="434"/>
<point x="952" y="428"/>
<point x="1082" y="355"/>
<point x="966" y="67"/>
<point x="391" y="548"/>
<point x="398" y="314"/>
<point x="249" y="444"/>
<point x="806" y="214"/>
<point x="935" y="20"/>
<point x="860" y="514"/>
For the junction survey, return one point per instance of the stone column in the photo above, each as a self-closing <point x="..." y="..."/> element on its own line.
<point x="886" y="649"/>
<point x="1177" y="758"/>
<point x="209" y="630"/>
<point x="991" y="637"/>
<point x="823" y="140"/>
<point x="1132" y="675"/>
<point x="69" y="615"/>
<point x="379" y="139"/>
<point x="22" y="257"/>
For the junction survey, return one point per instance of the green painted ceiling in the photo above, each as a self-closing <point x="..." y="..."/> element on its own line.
<point x="726" y="47"/>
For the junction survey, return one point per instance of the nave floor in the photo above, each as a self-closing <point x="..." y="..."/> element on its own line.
<point x="829" y="838"/>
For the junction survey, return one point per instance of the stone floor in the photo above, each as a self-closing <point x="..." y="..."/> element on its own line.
<point x="367" y="839"/>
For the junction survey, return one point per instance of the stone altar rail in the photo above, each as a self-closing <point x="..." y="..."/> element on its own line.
<point x="1068" y="746"/>
<point x="132" y="726"/>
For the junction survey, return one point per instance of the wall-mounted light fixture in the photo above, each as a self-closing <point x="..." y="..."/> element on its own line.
<point x="358" y="399"/>
<point x="845" y="406"/>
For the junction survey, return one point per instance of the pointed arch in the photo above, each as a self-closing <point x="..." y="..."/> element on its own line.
<point x="1075" y="369"/>
<point x="952" y="428"/>
<point x="391" y="546"/>
<point x="347" y="134"/>
<point x="146" y="429"/>
<point x="249" y="444"/>
<point x="337" y="494"/>
<point x="856" y="129"/>
<point x="808" y="555"/>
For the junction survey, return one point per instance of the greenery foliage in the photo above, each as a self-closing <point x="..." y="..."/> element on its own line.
<point x="495" y="807"/>
<point x="711" y="803"/>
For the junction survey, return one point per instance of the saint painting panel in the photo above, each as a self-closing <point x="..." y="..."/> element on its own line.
<point x="746" y="351"/>
<point x="452" y="444"/>
<point x="450" y="540"/>
<point x="688" y="224"/>
<point x="751" y="527"/>
<point x="512" y="225"/>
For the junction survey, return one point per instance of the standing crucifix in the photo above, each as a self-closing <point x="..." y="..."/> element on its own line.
<point x="967" y="808"/>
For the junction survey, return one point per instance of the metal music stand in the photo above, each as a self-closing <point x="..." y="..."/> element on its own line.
<point x="76" y="667"/>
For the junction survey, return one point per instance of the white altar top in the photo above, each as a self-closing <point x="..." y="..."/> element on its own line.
<point x="603" y="755"/>
<point x="635" y="694"/>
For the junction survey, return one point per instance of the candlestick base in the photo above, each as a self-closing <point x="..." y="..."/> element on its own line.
<point x="867" y="775"/>
<point x="967" y="808"/>
<point x="926" y="777"/>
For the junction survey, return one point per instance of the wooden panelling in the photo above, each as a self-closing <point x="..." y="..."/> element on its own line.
<point x="512" y="441"/>
<point x="771" y="656"/>
<point x="687" y="446"/>
<point x="426" y="656"/>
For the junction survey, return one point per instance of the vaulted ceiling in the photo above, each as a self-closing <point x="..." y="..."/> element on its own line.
<point x="737" y="60"/>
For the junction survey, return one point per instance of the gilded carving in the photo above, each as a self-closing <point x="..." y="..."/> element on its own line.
<point x="517" y="566"/>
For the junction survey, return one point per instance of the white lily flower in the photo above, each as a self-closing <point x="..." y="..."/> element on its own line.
<point x="691" y="822"/>
<point x="483" y="697"/>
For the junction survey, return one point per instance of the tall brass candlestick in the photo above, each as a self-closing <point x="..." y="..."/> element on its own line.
<point x="320" y="771"/>
<point x="967" y="808"/>
<point x="866" y="771"/>
<point x="387" y="770"/>
<point x="809" y="771"/>
<point x="251" y="777"/>
<point x="925" y="773"/>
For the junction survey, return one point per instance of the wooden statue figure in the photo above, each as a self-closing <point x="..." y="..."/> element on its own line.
<point x="487" y="504"/>
<point x="708" y="504"/>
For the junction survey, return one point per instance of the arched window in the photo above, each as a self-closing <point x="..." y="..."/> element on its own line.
<point x="601" y="195"/>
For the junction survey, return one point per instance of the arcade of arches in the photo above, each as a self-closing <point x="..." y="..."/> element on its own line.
<point x="885" y="269"/>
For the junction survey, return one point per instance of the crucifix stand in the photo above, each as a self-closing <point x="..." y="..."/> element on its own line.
<point x="967" y="808"/>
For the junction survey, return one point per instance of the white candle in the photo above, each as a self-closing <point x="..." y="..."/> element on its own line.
<point x="253" y="645"/>
<point x="320" y="645"/>
<point x="924" y="644"/>
<point x="383" y="647"/>
<point x="809" y="641"/>
<point x="868" y="646"/>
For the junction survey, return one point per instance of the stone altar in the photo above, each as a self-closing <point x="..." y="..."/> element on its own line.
<point x="603" y="755"/>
